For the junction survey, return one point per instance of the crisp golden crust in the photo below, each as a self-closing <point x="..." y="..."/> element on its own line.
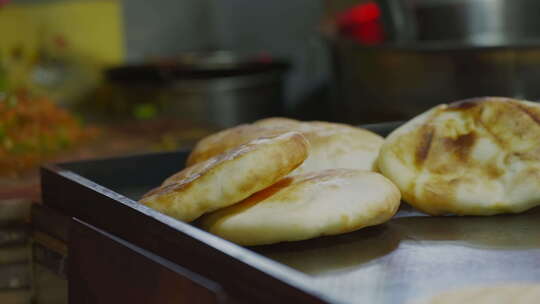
<point x="333" y="145"/>
<point x="474" y="157"/>
<point x="307" y="206"/>
<point x="228" y="139"/>
<point x="228" y="178"/>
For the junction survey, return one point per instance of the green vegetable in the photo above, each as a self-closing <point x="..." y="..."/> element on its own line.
<point x="145" y="111"/>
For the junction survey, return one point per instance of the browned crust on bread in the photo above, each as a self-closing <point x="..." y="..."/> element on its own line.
<point x="306" y="206"/>
<point x="466" y="104"/>
<point x="229" y="139"/>
<point x="535" y="116"/>
<point x="229" y="177"/>
<point x="467" y="157"/>
<point x="424" y="145"/>
<point x="333" y="145"/>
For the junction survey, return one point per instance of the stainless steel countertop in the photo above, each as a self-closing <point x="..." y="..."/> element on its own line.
<point x="414" y="256"/>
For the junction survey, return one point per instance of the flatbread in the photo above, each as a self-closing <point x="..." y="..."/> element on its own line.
<point x="333" y="145"/>
<point x="515" y="293"/>
<point x="228" y="178"/>
<point x="307" y="206"/>
<point x="229" y="139"/>
<point x="475" y="157"/>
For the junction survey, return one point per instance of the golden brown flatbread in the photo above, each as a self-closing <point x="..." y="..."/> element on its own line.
<point x="475" y="157"/>
<point x="228" y="178"/>
<point x="335" y="145"/>
<point x="332" y="145"/>
<point x="307" y="206"/>
<point x="229" y="139"/>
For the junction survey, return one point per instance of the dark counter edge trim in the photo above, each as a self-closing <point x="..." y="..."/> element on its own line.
<point x="257" y="277"/>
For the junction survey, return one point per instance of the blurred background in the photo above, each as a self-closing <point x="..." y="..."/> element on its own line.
<point x="98" y="78"/>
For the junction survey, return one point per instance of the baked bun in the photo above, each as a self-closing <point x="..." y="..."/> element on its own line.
<point x="228" y="178"/>
<point x="306" y="206"/>
<point x="332" y="145"/>
<point x="335" y="145"/>
<point x="474" y="157"/>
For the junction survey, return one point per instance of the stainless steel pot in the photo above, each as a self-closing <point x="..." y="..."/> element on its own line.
<point x="438" y="51"/>
<point x="474" y="22"/>
<point x="397" y="82"/>
<point x="228" y="101"/>
<point x="217" y="89"/>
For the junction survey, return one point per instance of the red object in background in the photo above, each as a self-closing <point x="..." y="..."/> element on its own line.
<point x="360" y="14"/>
<point x="362" y="23"/>
<point x="3" y="2"/>
<point x="264" y="57"/>
<point x="369" y="33"/>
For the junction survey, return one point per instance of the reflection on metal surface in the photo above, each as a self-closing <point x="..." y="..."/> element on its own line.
<point x="327" y="255"/>
<point x="415" y="255"/>
<point x="502" y="232"/>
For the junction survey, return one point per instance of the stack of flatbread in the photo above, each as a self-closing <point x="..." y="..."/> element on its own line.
<point x="280" y="180"/>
